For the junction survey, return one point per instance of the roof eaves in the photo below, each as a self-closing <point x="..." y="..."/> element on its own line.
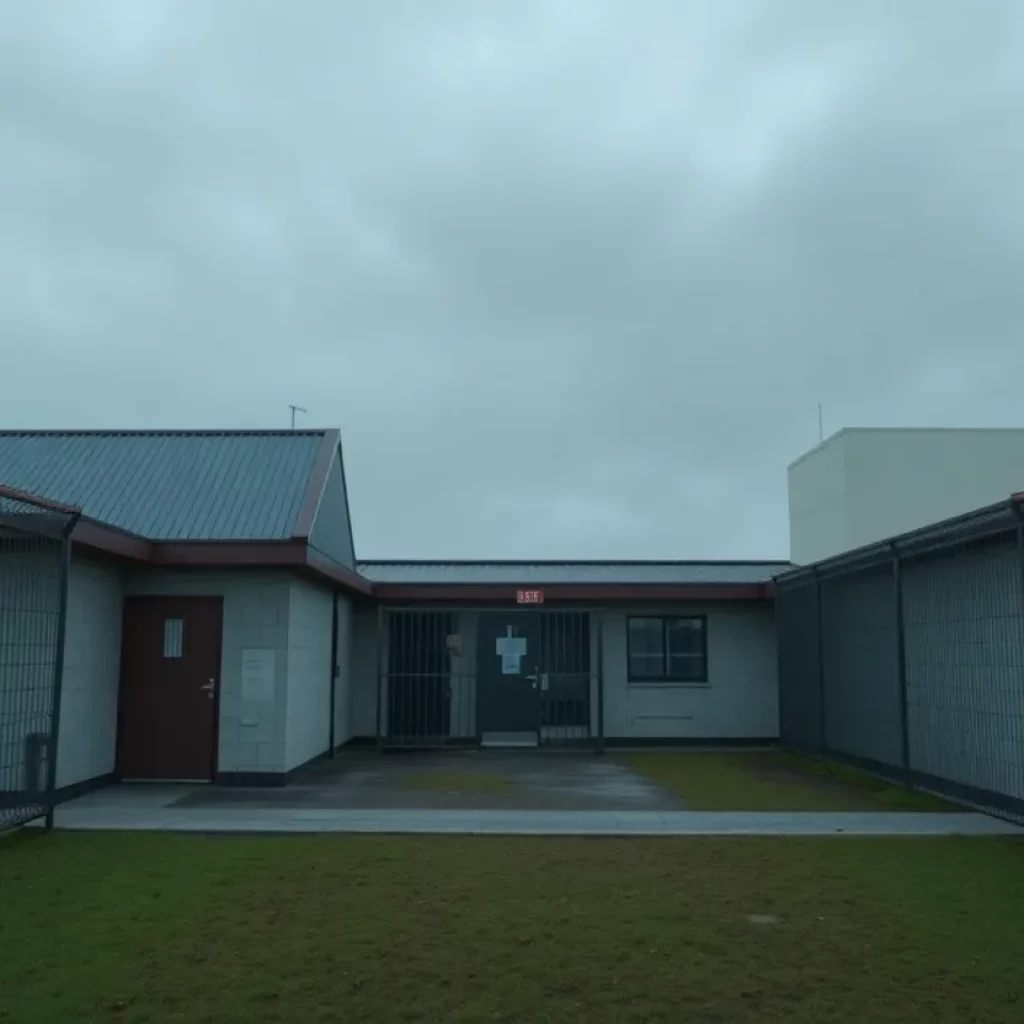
<point x="605" y="592"/>
<point x="13" y="494"/>
<point x="309" y="432"/>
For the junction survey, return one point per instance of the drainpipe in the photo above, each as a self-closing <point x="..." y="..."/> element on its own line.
<point x="334" y="669"/>
<point x="58" y="668"/>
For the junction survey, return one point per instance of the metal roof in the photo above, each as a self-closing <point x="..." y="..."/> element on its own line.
<point x="170" y="485"/>
<point x="555" y="573"/>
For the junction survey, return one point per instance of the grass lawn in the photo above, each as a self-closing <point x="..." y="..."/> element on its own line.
<point x="159" y="928"/>
<point x="775" y="781"/>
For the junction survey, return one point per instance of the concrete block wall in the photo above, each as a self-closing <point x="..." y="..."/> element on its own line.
<point x="252" y="734"/>
<point x="308" y="726"/>
<point x="343" y="673"/>
<point x="740" y="699"/>
<point x="92" y="663"/>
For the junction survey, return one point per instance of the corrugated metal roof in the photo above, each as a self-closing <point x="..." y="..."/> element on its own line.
<point x="170" y="485"/>
<point x="553" y="573"/>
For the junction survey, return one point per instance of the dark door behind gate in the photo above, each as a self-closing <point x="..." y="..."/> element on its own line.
<point x="167" y="714"/>
<point x="508" y="671"/>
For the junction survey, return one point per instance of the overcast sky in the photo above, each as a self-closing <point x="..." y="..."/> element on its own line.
<point x="570" y="275"/>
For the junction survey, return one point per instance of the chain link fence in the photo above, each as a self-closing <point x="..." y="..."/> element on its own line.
<point x="907" y="658"/>
<point x="34" y="557"/>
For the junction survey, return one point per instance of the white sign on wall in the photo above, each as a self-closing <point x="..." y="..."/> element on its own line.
<point x="258" y="674"/>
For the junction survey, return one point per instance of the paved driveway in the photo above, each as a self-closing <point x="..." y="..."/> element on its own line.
<point x="458" y="780"/>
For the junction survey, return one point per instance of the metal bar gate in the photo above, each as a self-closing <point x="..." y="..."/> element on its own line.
<point x="470" y="677"/>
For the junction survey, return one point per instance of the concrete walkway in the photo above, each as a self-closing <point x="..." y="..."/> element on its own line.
<point x="153" y="809"/>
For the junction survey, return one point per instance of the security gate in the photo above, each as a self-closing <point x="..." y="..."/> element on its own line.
<point x="489" y="677"/>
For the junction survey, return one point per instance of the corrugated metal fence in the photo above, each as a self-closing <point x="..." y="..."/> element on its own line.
<point x="907" y="658"/>
<point x="34" y="552"/>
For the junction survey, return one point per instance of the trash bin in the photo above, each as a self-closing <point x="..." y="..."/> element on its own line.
<point x="37" y="759"/>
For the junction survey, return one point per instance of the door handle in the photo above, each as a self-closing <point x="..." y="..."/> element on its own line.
<point x="209" y="687"/>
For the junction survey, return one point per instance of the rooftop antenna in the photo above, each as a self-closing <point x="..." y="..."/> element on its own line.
<point x="821" y="426"/>
<point x="295" y="409"/>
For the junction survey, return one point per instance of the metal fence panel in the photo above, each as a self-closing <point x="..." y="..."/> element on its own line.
<point x="964" y="641"/>
<point x="858" y="636"/>
<point x="915" y="658"/>
<point x="33" y="584"/>
<point x="797" y="632"/>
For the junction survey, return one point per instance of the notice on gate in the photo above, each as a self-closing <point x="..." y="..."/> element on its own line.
<point x="510" y="664"/>
<point x="511" y="649"/>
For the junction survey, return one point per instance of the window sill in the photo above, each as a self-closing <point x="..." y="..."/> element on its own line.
<point x="668" y="684"/>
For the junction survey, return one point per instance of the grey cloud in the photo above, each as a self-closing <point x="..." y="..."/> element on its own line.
<point x="572" y="277"/>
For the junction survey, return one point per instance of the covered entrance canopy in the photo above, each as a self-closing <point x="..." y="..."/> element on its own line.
<point x="510" y="653"/>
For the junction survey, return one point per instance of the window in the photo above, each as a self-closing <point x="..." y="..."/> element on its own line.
<point x="667" y="649"/>
<point x="174" y="636"/>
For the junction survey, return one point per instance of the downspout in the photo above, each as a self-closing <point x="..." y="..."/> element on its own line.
<point x="334" y="670"/>
<point x="58" y="668"/>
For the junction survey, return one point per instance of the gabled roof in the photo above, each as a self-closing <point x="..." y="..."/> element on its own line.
<point x="186" y="497"/>
<point x="171" y="485"/>
<point x="416" y="573"/>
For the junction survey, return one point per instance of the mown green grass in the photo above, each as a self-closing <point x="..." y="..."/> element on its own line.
<point x="774" y="781"/>
<point x="133" y="928"/>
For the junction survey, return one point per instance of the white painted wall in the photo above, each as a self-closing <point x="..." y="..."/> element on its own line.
<point x="92" y="670"/>
<point x="866" y="485"/>
<point x="740" y="699"/>
<point x="252" y="735"/>
<point x="343" y="673"/>
<point x="818" y="524"/>
<point x="307" y="732"/>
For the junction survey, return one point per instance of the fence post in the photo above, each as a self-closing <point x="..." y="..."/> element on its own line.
<point x="600" y="681"/>
<point x="1019" y="513"/>
<point x="820" y="647"/>
<point x="901" y="662"/>
<point x="58" y="670"/>
<point x="379" y="738"/>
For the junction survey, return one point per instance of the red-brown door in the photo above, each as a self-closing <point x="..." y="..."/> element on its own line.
<point x="170" y="676"/>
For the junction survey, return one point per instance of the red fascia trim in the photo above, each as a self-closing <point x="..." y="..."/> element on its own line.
<point x="579" y="592"/>
<point x="114" y="542"/>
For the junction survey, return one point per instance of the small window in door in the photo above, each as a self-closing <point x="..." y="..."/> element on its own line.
<point x="174" y="636"/>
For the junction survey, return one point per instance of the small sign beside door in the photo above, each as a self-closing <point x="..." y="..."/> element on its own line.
<point x="258" y="674"/>
<point x="529" y="597"/>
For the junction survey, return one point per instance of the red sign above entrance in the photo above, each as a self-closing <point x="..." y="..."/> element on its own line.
<point x="529" y="597"/>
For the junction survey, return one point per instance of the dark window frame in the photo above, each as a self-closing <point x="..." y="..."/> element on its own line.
<point x="666" y="679"/>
